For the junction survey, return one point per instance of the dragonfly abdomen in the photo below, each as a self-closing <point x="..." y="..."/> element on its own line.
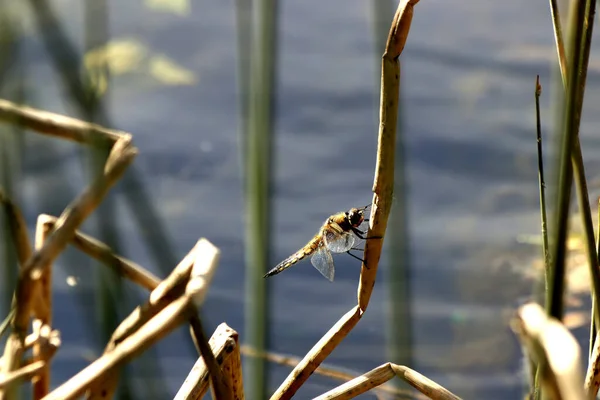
<point x="294" y="258"/>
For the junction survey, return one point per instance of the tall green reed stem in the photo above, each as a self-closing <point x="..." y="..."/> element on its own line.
<point x="258" y="171"/>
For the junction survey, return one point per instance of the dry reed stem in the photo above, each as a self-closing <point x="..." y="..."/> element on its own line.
<point x="383" y="187"/>
<point x="222" y="343"/>
<point x="232" y="373"/>
<point x="156" y="328"/>
<point x="592" y="376"/>
<point x="167" y="290"/>
<point x="57" y="125"/>
<point x="43" y="313"/>
<point x="293" y="361"/>
<point x="554" y="349"/>
<point x="101" y="252"/>
<point x="13" y="352"/>
<point x="18" y="228"/>
<point x="119" y="159"/>
<point x="384" y="373"/>
<point x="24" y="373"/>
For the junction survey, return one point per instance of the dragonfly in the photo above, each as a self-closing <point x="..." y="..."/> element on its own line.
<point x="338" y="234"/>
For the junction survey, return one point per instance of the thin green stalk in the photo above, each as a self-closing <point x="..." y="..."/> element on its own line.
<point x="542" y="188"/>
<point x="542" y="183"/>
<point x="554" y="300"/>
<point x="258" y="170"/>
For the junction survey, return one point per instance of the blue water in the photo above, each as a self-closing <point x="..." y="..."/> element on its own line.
<point x="468" y="74"/>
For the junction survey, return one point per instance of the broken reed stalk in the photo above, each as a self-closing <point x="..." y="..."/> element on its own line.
<point x="17" y="227"/>
<point x="24" y="373"/>
<point x="43" y="312"/>
<point x="101" y="252"/>
<point x="18" y="231"/>
<point x="333" y="373"/>
<point x="382" y="199"/>
<point x="167" y="319"/>
<point x="120" y="157"/>
<point x="223" y="344"/>
<point x="555" y="350"/>
<point x="57" y="125"/>
<point x="166" y="291"/>
<point x="382" y="374"/>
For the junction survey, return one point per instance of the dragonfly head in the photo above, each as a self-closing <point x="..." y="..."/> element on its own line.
<point x="355" y="216"/>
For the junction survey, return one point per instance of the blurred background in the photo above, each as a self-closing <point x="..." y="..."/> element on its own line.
<point x="462" y="250"/>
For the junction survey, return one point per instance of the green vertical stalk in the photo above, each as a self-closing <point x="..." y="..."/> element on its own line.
<point x="258" y="187"/>
<point x="554" y="301"/>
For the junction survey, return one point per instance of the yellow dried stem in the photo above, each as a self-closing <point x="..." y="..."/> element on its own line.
<point x="43" y="313"/>
<point x="222" y="343"/>
<point x="58" y="125"/>
<point x="382" y="200"/>
<point x="383" y="185"/>
<point x="24" y="373"/>
<point x="384" y="373"/>
<point x="101" y="252"/>
<point x="122" y="155"/>
<point x="554" y="349"/>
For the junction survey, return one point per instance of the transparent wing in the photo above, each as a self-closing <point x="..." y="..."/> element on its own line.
<point x="338" y="242"/>
<point x="323" y="262"/>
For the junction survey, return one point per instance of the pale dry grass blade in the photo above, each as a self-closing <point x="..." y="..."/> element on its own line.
<point x="58" y="125"/>
<point x="382" y="374"/>
<point x="164" y="292"/>
<point x="167" y="319"/>
<point x="121" y="157"/>
<point x="554" y="348"/>
<point x="102" y="252"/>
<point x="23" y="373"/>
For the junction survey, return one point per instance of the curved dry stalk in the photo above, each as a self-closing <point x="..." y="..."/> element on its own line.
<point x="103" y="253"/>
<point x="18" y="228"/>
<point x="382" y="199"/>
<point x="23" y="373"/>
<point x="382" y="374"/>
<point x="329" y="372"/>
<point x="121" y="156"/>
<point x="556" y="351"/>
<point x="383" y="185"/>
<point x="58" y="125"/>
<point x="167" y="319"/>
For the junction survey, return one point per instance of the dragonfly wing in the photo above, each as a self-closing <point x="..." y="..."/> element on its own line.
<point x="323" y="262"/>
<point x="339" y="242"/>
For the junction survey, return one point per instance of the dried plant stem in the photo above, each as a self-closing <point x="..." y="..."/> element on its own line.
<point x="43" y="312"/>
<point x="58" y="125"/>
<point x="18" y="228"/>
<point x="101" y="252"/>
<point x="167" y="319"/>
<point x="382" y="200"/>
<point x="555" y="350"/>
<point x="121" y="156"/>
<point x="382" y="374"/>
<point x="330" y="372"/>
<point x="23" y="373"/>
<point x="222" y="343"/>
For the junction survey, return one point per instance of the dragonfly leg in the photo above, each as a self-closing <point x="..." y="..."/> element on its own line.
<point x="358" y="258"/>
<point x="357" y="249"/>
<point x="360" y="234"/>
